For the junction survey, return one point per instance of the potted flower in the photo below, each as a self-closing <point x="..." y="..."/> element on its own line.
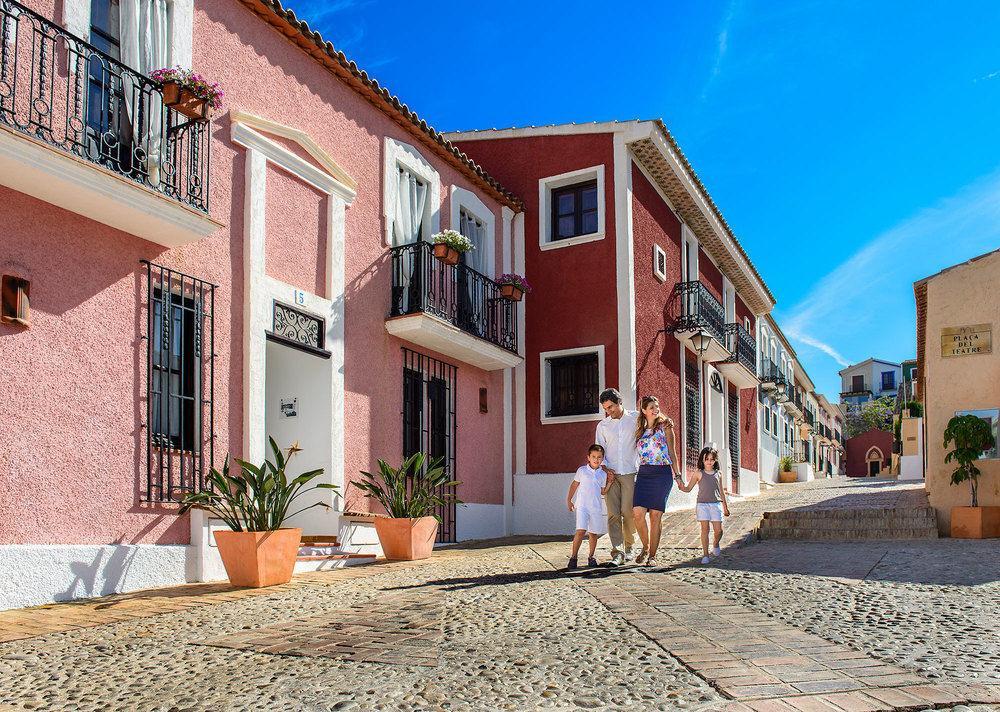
<point x="254" y="503"/>
<point x="409" y="494"/>
<point x="971" y="436"/>
<point x="785" y="471"/>
<point x="513" y="286"/>
<point x="449" y="244"/>
<point x="188" y="92"/>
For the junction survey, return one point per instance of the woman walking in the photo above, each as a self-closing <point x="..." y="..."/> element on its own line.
<point x="656" y="443"/>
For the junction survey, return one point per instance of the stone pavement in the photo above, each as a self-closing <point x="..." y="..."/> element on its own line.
<point x="776" y="625"/>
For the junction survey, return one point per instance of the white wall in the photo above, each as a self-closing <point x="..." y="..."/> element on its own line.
<point x="479" y="521"/>
<point x="37" y="574"/>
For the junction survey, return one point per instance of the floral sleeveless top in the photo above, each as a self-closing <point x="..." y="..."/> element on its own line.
<point x="652" y="447"/>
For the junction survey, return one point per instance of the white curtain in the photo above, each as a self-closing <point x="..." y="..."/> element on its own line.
<point x="145" y="47"/>
<point x="475" y="230"/>
<point x="411" y="198"/>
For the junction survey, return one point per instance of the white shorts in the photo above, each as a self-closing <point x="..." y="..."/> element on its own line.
<point x="595" y="522"/>
<point x="708" y="512"/>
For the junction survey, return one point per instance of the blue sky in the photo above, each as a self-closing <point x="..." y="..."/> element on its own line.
<point x="853" y="146"/>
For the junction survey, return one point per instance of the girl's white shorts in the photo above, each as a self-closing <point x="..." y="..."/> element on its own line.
<point x="595" y="522"/>
<point x="708" y="512"/>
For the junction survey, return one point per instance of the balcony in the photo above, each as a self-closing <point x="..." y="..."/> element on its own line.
<point x="740" y="367"/>
<point x="84" y="132"/>
<point x="773" y="379"/>
<point x="809" y="418"/>
<point x="863" y="392"/>
<point x="702" y="321"/>
<point x="451" y="309"/>
<point x="794" y="403"/>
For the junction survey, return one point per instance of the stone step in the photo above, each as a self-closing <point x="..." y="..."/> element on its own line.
<point x="807" y="534"/>
<point x="887" y="523"/>
<point x="853" y="514"/>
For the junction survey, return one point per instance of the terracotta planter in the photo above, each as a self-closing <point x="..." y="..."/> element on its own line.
<point x="258" y="559"/>
<point x="446" y="253"/>
<point x="511" y="292"/>
<point x="975" y="522"/>
<point x="406" y="539"/>
<point x="787" y="477"/>
<point x="185" y="102"/>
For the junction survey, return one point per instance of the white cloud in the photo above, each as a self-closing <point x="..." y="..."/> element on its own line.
<point x="864" y="307"/>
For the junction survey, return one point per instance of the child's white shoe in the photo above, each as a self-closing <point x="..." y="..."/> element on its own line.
<point x="705" y="559"/>
<point x="716" y="551"/>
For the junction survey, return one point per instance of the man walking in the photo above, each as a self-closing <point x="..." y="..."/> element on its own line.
<point x="616" y="434"/>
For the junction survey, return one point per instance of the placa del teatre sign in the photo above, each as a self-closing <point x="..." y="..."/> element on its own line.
<point x="967" y="340"/>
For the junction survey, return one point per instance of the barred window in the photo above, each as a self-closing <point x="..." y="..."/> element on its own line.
<point x="573" y="385"/>
<point x="692" y="412"/>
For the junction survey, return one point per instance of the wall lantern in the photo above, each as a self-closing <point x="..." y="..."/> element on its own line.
<point x="701" y="341"/>
<point x="782" y="388"/>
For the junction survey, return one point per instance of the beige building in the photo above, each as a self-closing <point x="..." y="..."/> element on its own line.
<point x="958" y="371"/>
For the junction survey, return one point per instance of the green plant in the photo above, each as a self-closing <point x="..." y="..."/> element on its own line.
<point x="453" y="239"/>
<point x="258" y="498"/>
<point x="193" y="82"/>
<point x="515" y="280"/>
<point x="916" y="409"/>
<point x="971" y="436"/>
<point x="785" y="463"/>
<point x="875" y="414"/>
<point x="410" y="490"/>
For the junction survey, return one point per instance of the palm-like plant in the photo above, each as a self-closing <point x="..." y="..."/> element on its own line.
<point x="971" y="435"/>
<point x="258" y="498"/>
<point x="411" y="490"/>
<point x="785" y="462"/>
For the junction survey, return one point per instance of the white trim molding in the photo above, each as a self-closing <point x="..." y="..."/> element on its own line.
<point x="658" y="255"/>
<point x="625" y="272"/>
<point x="436" y="334"/>
<point x="545" y="188"/>
<point x="543" y="359"/>
<point x="396" y="155"/>
<point x="462" y="198"/>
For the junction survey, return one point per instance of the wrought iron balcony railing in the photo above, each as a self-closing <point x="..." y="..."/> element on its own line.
<point x="700" y="310"/>
<point x="809" y="417"/>
<point x="858" y="392"/>
<point x="742" y="347"/>
<point x="460" y="295"/>
<point x="57" y="88"/>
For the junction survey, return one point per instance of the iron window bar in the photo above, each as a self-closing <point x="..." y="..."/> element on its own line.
<point x="741" y="346"/>
<point x="456" y="293"/>
<point x="180" y="383"/>
<point x="692" y="413"/>
<point x="63" y="91"/>
<point x="700" y="310"/>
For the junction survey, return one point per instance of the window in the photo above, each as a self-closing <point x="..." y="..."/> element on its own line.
<point x="571" y="380"/>
<point x="659" y="263"/>
<point x="692" y="413"/>
<point x="888" y="380"/>
<point x="574" y="210"/>
<point x="14" y="300"/>
<point x="471" y="217"/>
<point x="857" y="383"/>
<point x="180" y="342"/>
<point x="572" y="207"/>
<point x="411" y="195"/>
<point x="767" y="416"/>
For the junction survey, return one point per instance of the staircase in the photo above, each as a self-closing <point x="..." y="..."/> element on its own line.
<point x="322" y="552"/>
<point x="855" y="524"/>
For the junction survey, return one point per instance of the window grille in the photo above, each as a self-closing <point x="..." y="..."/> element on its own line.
<point x="692" y="410"/>
<point x="574" y="382"/>
<point x="430" y="389"/>
<point x="734" y="435"/>
<point x="180" y="383"/>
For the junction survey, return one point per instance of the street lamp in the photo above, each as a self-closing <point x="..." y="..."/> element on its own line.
<point x="701" y="341"/>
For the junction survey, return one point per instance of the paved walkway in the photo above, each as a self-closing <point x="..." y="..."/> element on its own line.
<point x="771" y="626"/>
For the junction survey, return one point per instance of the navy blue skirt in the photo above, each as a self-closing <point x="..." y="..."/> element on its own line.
<point x="652" y="485"/>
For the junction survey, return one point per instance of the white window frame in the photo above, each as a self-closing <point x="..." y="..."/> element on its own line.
<point x="545" y="188"/>
<point x="689" y="240"/>
<point x="462" y="198"/>
<point x="543" y="379"/>
<point x="76" y="19"/>
<point x="659" y="252"/>
<point x="729" y="300"/>
<point x="403" y="155"/>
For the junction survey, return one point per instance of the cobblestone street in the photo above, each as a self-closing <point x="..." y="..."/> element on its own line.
<point x="822" y="626"/>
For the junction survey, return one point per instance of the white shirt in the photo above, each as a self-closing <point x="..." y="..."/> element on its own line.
<point x="588" y="493"/>
<point x="617" y="437"/>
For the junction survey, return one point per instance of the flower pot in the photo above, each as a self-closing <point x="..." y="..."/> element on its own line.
<point x="787" y="477"/>
<point x="184" y="101"/>
<point x="258" y="559"/>
<point x="975" y="522"/>
<point x="446" y="253"/>
<point x="406" y="539"/>
<point x="511" y="292"/>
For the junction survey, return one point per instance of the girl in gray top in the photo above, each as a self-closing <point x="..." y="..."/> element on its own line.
<point x="712" y="505"/>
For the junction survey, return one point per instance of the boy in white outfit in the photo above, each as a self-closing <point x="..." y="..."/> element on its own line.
<point x="586" y="498"/>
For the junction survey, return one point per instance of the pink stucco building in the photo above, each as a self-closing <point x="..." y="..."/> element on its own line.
<point x="195" y="287"/>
